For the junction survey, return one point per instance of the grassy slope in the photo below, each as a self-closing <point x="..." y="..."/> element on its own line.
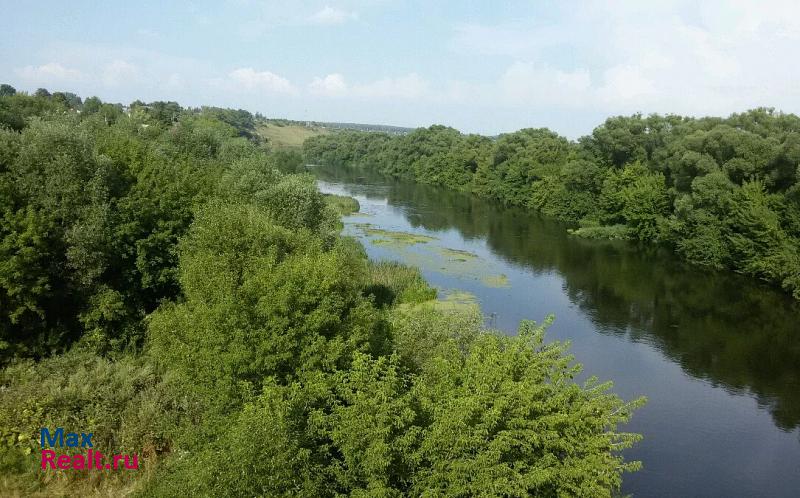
<point x="288" y="136"/>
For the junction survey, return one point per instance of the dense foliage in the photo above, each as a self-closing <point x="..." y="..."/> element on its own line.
<point x="724" y="193"/>
<point x="165" y="286"/>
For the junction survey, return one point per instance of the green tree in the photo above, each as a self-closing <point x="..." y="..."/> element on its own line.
<point x="637" y="198"/>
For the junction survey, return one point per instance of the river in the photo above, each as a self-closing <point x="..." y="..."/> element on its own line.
<point x="716" y="354"/>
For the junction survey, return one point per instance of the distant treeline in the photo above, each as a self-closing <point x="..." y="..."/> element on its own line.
<point x="722" y="192"/>
<point x="391" y="130"/>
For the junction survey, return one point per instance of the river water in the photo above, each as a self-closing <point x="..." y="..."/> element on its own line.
<point x="716" y="354"/>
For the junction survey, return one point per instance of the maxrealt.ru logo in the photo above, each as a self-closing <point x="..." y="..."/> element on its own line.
<point x="91" y="460"/>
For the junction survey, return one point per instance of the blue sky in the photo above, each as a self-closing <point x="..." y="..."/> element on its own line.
<point x="485" y="67"/>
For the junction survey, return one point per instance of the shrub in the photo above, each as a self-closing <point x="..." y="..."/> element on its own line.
<point x="394" y="283"/>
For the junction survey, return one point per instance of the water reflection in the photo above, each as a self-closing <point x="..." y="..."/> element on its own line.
<point x="726" y="329"/>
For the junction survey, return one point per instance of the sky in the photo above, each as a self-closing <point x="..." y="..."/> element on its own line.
<point x="480" y="66"/>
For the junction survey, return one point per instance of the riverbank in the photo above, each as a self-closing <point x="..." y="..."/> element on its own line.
<point x="721" y="193"/>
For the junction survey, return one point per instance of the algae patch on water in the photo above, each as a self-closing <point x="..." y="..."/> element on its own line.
<point x="452" y="301"/>
<point x="389" y="237"/>
<point x="457" y="254"/>
<point x="457" y="300"/>
<point x="459" y="263"/>
<point x="497" y="281"/>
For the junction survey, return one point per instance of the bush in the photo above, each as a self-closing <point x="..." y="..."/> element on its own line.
<point x="261" y="301"/>
<point x="294" y="202"/>
<point x="342" y="204"/>
<point x="609" y="232"/>
<point x="394" y="283"/>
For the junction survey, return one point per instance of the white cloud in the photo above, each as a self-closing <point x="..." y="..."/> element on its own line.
<point x="542" y="85"/>
<point x="668" y="56"/>
<point x="332" y="85"/>
<point x="119" y="72"/>
<point x="411" y="86"/>
<point x="266" y="81"/>
<point x="625" y="86"/>
<point x="174" y="81"/>
<point x="52" y="72"/>
<point x="329" y="15"/>
<point x="519" y="39"/>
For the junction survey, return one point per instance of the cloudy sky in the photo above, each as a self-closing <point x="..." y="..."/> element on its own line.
<point x="484" y="67"/>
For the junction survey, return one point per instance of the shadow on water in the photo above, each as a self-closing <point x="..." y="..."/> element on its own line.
<point x="726" y="329"/>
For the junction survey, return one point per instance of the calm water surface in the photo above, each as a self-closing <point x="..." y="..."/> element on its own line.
<point x="717" y="355"/>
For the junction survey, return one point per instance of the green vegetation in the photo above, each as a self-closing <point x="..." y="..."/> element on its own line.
<point x="166" y="287"/>
<point x="342" y="204"/>
<point x="721" y="192"/>
<point x="394" y="283"/>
